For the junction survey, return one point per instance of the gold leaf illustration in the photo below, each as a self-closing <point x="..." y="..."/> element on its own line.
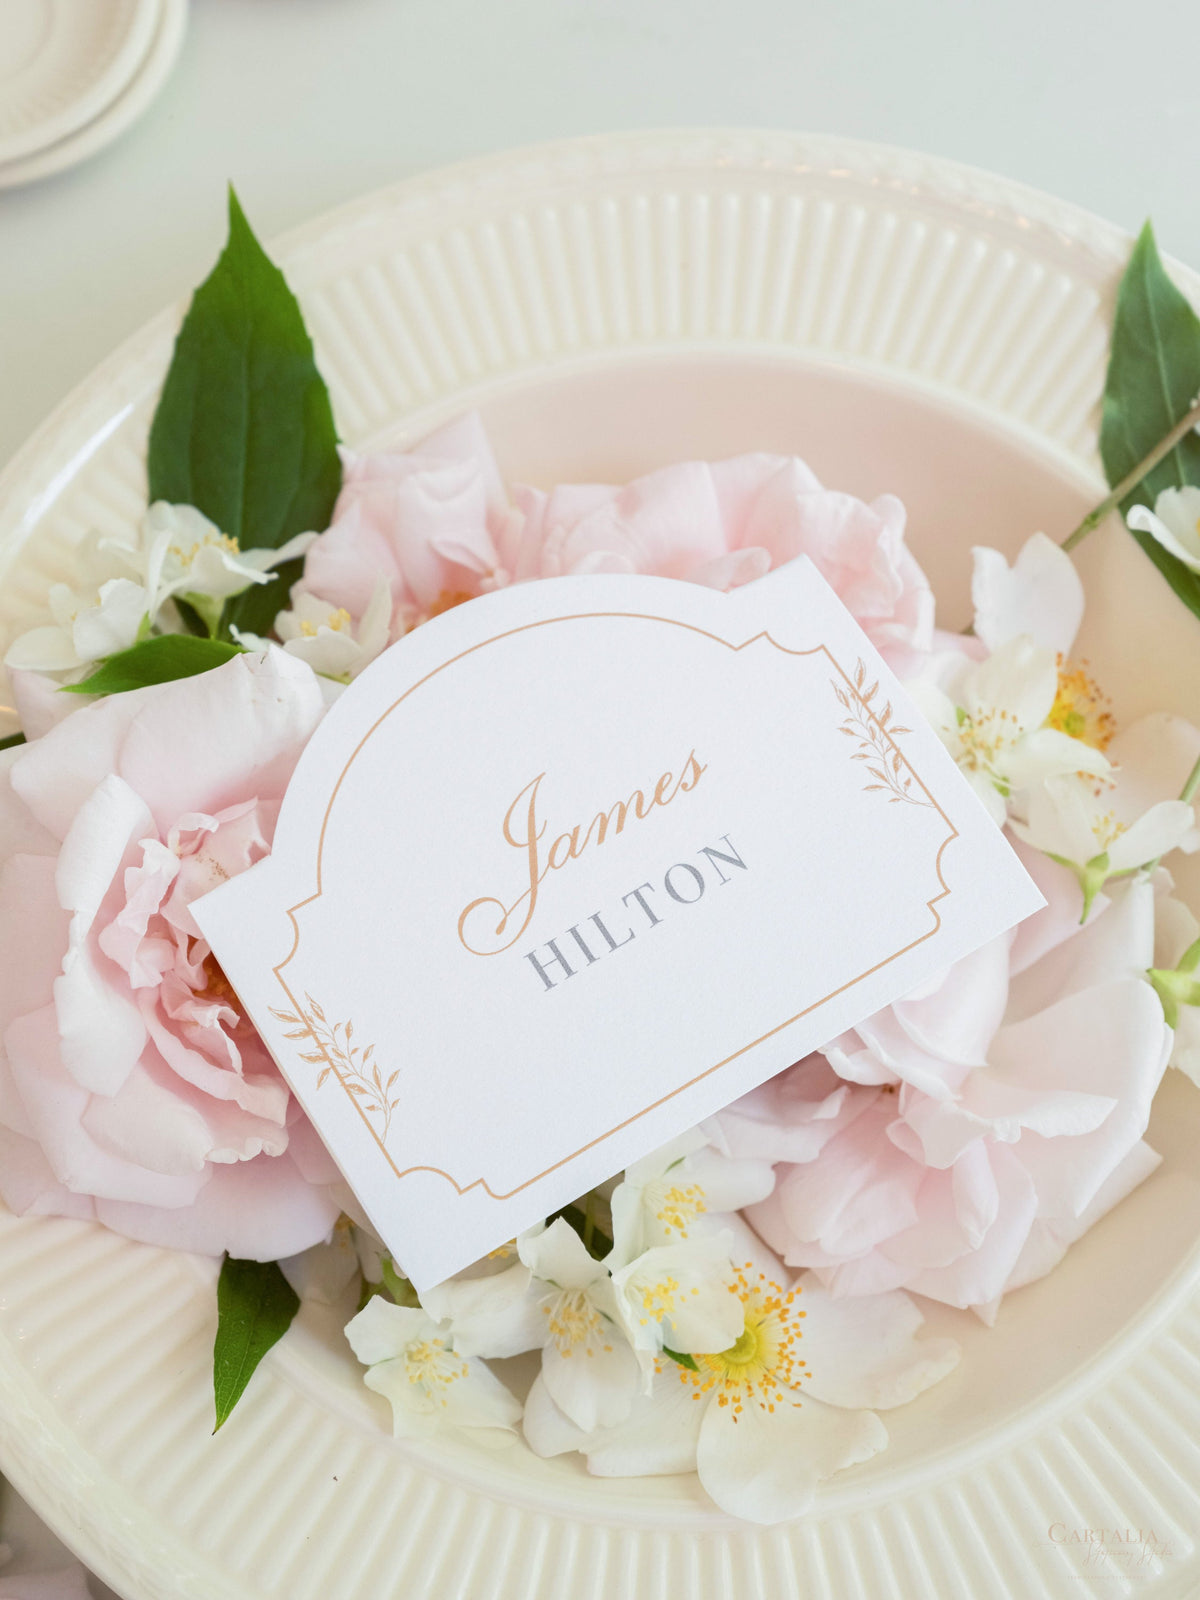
<point x="338" y="1057"/>
<point x="877" y="748"/>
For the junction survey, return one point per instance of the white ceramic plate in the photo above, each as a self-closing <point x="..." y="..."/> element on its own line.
<point x="612" y="305"/>
<point x="62" y="62"/>
<point x="170" y="20"/>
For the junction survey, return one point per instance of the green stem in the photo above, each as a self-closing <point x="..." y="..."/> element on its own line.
<point x="1127" y="484"/>
<point x="1187" y="793"/>
<point x="1131" y="479"/>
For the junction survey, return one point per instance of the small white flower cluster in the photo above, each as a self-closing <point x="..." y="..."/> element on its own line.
<point x="125" y="588"/>
<point x="687" y="1347"/>
<point x="1034" y="736"/>
<point x="1174" y="522"/>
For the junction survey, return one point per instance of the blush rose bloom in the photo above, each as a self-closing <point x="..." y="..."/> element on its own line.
<point x="423" y="521"/>
<point x="726" y="523"/>
<point x="132" y="1088"/>
<point x="437" y="526"/>
<point x="956" y="1143"/>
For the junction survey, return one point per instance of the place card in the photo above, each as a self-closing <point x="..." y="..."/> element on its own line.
<point x="574" y="865"/>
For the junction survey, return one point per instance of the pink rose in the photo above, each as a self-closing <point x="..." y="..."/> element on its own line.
<point x="425" y="521"/>
<point x="132" y="1088"/>
<point x="724" y="524"/>
<point x="436" y="525"/>
<point x="956" y="1143"/>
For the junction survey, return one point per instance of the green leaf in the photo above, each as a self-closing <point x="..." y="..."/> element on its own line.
<point x="595" y="1240"/>
<point x="681" y="1359"/>
<point x="13" y="739"/>
<point x="1153" y="380"/>
<point x="401" y="1291"/>
<point x="255" y="609"/>
<point x="244" y="430"/>
<point x="255" y="1307"/>
<point x="158" y="660"/>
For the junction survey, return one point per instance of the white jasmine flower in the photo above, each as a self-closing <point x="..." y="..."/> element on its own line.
<point x="1174" y="522"/>
<point x="85" y="626"/>
<point x="493" y="1307"/>
<point x="124" y="586"/>
<point x="1041" y="595"/>
<point x="681" y="1192"/>
<point x="180" y="552"/>
<point x="412" y="1362"/>
<point x="1076" y="822"/>
<point x="588" y="1365"/>
<point x="992" y="716"/>
<point x="788" y="1403"/>
<point x="679" y="1296"/>
<point x="325" y="1271"/>
<point x="328" y="638"/>
<point x="560" y="1298"/>
<point x="1101" y="829"/>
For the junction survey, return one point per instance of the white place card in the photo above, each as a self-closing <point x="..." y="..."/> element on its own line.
<point x="573" y="866"/>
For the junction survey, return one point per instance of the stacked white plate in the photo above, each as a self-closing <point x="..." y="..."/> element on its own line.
<point x="76" y="73"/>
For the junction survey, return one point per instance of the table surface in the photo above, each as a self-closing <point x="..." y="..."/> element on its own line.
<point x="307" y="103"/>
<point x="304" y="104"/>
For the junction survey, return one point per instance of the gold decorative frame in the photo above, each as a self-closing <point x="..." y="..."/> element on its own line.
<point x="849" y="690"/>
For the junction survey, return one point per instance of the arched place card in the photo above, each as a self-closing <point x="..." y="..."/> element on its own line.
<point x="574" y="865"/>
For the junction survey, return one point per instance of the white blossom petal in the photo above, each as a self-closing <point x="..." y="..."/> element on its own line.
<point x="594" y="1381"/>
<point x="1174" y="522"/>
<point x="863" y="1352"/>
<point x="547" y="1431"/>
<point x="1170" y="825"/>
<point x="658" y="1436"/>
<point x="1040" y="595"/>
<point x="679" y="1295"/>
<point x="381" y="1330"/>
<point x="1047" y="753"/>
<point x="1018" y="682"/>
<point x="494" y="1316"/>
<point x="45" y="649"/>
<point x="765" y="1466"/>
<point x="113" y="623"/>
<point x="558" y="1256"/>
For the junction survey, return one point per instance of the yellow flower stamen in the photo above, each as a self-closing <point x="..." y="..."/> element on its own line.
<point x="218" y="541"/>
<point x="761" y="1366"/>
<point x="574" y="1321"/>
<point x="986" y="737"/>
<point x="216" y="985"/>
<point x="679" y="1207"/>
<point x="446" y="601"/>
<point x="1081" y="709"/>
<point x="431" y="1366"/>
<point x="338" y="620"/>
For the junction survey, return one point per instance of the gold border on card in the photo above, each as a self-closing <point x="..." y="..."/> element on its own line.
<point x="853" y="686"/>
